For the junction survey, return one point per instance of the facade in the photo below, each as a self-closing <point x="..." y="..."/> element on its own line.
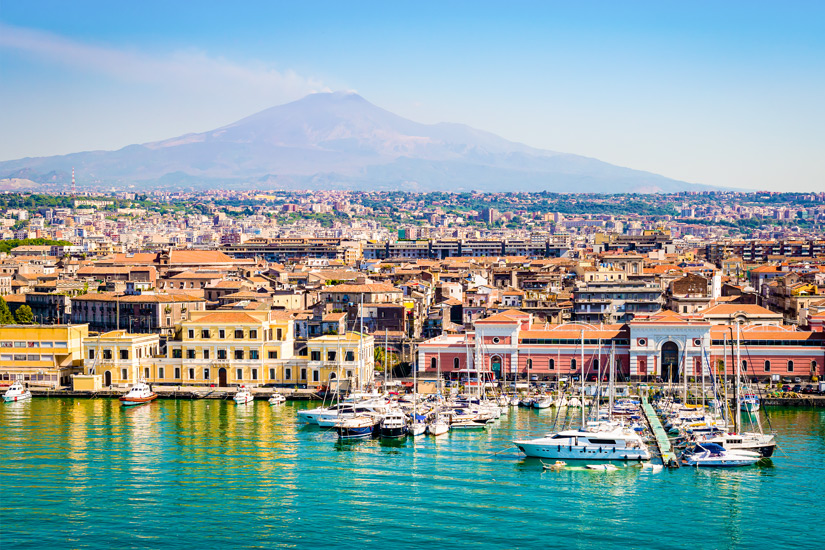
<point x="119" y="357"/>
<point x="615" y="301"/>
<point x="41" y="355"/>
<point x="663" y="346"/>
<point x="157" y="313"/>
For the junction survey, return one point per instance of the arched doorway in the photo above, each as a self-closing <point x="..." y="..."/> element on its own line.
<point x="107" y="378"/>
<point x="495" y="365"/>
<point x="222" y="378"/>
<point x="670" y="362"/>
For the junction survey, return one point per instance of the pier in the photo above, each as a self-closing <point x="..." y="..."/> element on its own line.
<point x="184" y="392"/>
<point x="662" y="442"/>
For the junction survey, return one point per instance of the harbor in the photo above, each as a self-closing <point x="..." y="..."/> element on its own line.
<point x="185" y="472"/>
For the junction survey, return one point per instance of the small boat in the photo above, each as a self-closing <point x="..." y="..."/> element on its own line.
<point x="438" y="427"/>
<point x="17" y="392"/>
<point x="555" y="467"/>
<point x="243" y="396"/>
<point x="357" y="427"/>
<point x="417" y="428"/>
<point x="138" y="394"/>
<point x="468" y="424"/>
<point x="277" y="399"/>
<point x="712" y="455"/>
<point x="394" y="425"/>
<point x="602" y="467"/>
<point x="542" y="402"/>
<point x="749" y="403"/>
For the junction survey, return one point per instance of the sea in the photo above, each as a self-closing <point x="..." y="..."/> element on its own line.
<point x="88" y="473"/>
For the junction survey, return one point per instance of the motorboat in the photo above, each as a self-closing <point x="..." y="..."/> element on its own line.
<point x="468" y="424"/>
<point x="349" y="410"/>
<point x="394" y="424"/>
<point x="542" y="402"/>
<point x="749" y="403"/>
<point x="243" y="396"/>
<point x="764" y="444"/>
<point x="615" y="444"/>
<point x="277" y="399"/>
<point x="357" y="427"/>
<point x="138" y="394"/>
<point x="713" y="455"/>
<point x="17" y="392"/>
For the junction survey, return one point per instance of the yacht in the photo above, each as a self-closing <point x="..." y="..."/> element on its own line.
<point x="17" y="392"/>
<point x="616" y="444"/>
<point x="277" y="399"/>
<point x="349" y="410"/>
<point x="138" y="394"/>
<point x="394" y="424"/>
<point x="713" y="455"/>
<point x="764" y="444"/>
<point x="243" y="396"/>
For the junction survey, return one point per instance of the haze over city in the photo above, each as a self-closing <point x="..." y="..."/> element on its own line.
<point x="722" y="95"/>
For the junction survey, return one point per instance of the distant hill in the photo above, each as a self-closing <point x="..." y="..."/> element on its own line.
<point x="340" y="140"/>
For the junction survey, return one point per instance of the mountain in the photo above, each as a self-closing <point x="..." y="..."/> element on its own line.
<point x="340" y="140"/>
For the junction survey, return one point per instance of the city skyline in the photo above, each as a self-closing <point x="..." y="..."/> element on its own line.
<point x="707" y="94"/>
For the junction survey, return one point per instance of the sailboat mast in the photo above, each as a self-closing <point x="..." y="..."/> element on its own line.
<point x="582" y="378"/>
<point x="737" y="420"/>
<point x="611" y="389"/>
<point x="684" y="376"/>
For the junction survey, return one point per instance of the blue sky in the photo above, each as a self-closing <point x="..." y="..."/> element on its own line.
<point x="723" y="93"/>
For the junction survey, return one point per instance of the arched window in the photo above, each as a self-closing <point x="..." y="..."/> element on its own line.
<point x="744" y="365"/>
<point x="572" y="364"/>
<point x="813" y="367"/>
<point x="433" y="363"/>
<point x="529" y="364"/>
<point x="552" y="364"/>
<point x="456" y="363"/>
<point x="767" y="366"/>
<point x="596" y="365"/>
<point x="790" y="366"/>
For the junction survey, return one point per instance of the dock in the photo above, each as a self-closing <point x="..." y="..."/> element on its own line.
<point x="183" y="392"/>
<point x="662" y="442"/>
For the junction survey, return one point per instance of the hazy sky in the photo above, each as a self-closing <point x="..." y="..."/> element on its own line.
<point x="724" y="93"/>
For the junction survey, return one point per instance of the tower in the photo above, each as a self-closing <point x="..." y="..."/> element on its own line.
<point x="74" y="189"/>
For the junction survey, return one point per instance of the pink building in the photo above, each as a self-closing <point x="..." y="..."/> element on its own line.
<point x="648" y="347"/>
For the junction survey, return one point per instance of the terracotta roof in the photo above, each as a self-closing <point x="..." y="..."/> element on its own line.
<point x="732" y="309"/>
<point x="227" y="317"/>
<point x="365" y="288"/>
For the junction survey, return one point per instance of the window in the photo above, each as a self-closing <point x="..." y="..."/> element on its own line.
<point x="161" y="373"/>
<point x="238" y="334"/>
<point x="253" y="334"/>
<point x="552" y="364"/>
<point x="146" y="373"/>
<point x="221" y="333"/>
<point x="253" y="354"/>
<point x="204" y="334"/>
<point x="572" y="364"/>
<point x="330" y="356"/>
<point x="279" y="334"/>
<point x="790" y="366"/>
<point x="595" y="365"/>
<point x="124" y="354"/>
<point x="206" y="374"/>
<point x="177" y="373"/>
<point x="191" y="374"/>
<point x="273" y="354"/>
<point x="177" y="353"/>
<point x="315" y="355"/>
<point x="316" y="376"/>
<point x="456" y="363"/>
<point x="349" y="374"/>
<point x="239" y="374"/>
<point x="191" y="333"/>
<point x="124" y="375"/>
<point x="813" y="367"/>
<point x="272" y="374"/>
<point x="107" y="354"/>
<point x="206" y="354"/>
<point x="288" y="374"/>
<point x="433" y="363"/>
<point x="190" y="354"/>
<point x="767" y="366"/>
<point x="254" y="374"/>
<point x="303" y="374"/>
<point x="744" y="366"/>
<point x="350" y="356"/>
<point x="238" y="354"/>
<point x="91" y="354"/>
<point x="496" y="340"/>
<point x="221" y="354"/>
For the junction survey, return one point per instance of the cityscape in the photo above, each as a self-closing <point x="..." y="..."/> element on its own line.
<point x="293" y="275"/>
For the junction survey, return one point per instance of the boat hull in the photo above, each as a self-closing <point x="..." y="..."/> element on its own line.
<point x="133" y="401"/>
<point x="393" y="432"/>
<point x="359" y="432"/>
<point x="565" y="452"/>
<point x="16" y="398"/>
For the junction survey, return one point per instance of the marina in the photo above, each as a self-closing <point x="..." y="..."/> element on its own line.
<point x="178" y="468"/>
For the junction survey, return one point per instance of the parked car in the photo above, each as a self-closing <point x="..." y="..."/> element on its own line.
<point x="809" y="389"/>
<point x="786" y="387"/>
<point x="797" y="380"/>
<point x="754" y="380"/>
<point x="797" y="388"/>
<point x="787" y="381"/>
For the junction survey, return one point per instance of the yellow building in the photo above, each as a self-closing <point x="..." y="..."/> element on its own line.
<point x="41" y="355"/>
<point x="338" y="356"/>
<point x="120" y="358"/>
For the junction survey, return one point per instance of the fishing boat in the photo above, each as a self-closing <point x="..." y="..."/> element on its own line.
<point x="17" y="392"/>
<point x="394" y="424"/>
<point x="243" y="396"/>
<point x="618" y="444"/>
<point x="277" y="399"/>
<point x="138" y="394"/>
<point x="358" y="427"/>
<point x="712" y="455"/>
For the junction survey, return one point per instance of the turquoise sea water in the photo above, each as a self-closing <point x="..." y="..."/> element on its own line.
<point x="209" y="474"/>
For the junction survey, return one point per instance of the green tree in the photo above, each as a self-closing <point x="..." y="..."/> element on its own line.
<point x="24" y="315"/>
<point x="6" y="318"/>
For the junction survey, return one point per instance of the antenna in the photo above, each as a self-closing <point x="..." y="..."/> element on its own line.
<point x="74" y="188"/>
